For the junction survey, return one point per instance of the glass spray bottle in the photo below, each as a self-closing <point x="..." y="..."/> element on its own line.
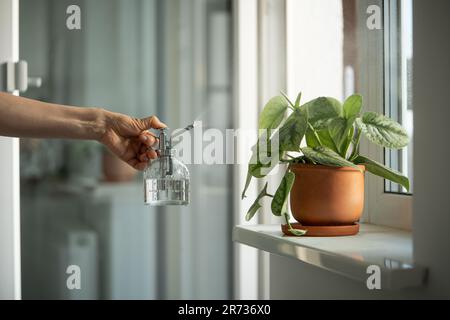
<point x="166" y="180"/>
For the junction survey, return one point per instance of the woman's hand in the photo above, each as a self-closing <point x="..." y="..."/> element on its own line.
<point x="126" y="137"/>
<point x="129" y="139"/>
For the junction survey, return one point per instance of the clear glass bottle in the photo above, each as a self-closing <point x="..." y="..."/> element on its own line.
<point x="166" y="180"/>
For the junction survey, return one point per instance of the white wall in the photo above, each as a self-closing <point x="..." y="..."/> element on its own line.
<point x="315" y="27"/>
<point x="431" y="209"/>
<point x="431" y="215"/>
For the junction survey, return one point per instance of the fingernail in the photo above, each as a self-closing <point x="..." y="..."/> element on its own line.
<point x="144" y="138"/>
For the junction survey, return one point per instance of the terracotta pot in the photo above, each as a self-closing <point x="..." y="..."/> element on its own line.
<point x="327" y="196"/>
<point x="115" y="170"/>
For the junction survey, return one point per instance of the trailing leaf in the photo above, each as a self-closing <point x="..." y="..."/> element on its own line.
<point x="292" y="131"/>
<point x="279" y="201"/>
<point x="259" y="169"/>
<point x="352" y="106"/>
<point x="295" y="232"/>
<point x="252" y="211"/>
<point x="382" y="171"/>
<point x="273" y="113"/>
<point x="263" y="158"/>
<point x="327" y="157"/>
<point x="247" y="183"/>
<point x="256" y="205"/>
<point x="382" y="130"/>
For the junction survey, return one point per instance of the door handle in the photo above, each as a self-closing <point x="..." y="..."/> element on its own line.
<point x="16" y="77"/>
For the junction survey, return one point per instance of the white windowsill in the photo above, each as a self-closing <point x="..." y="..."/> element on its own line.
<point x="388" y="248"/>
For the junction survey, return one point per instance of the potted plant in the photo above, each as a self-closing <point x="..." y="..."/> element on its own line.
<point x="325" y="178"/>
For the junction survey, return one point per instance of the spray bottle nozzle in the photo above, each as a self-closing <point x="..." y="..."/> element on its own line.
<point x="165" y="142"/>
<point x="180" y="132"/>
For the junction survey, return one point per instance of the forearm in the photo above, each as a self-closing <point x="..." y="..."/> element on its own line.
<point x="21" y="117"/>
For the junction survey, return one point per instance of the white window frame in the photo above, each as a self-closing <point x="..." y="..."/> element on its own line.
<point x="10" y="271"/>
<point x="260" y="73"/>
<point x="245" y="95"/>
<point x="382" y="208"/>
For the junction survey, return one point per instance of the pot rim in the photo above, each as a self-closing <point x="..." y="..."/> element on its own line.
<point x="300" y="166"/>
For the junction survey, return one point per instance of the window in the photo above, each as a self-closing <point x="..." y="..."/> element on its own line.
<point x="398" y="84"/>
<point x="388" y="86"/>
<point x="329" y="50"/>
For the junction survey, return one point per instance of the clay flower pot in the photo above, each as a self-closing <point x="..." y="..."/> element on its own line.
<point x="327" y="196"/>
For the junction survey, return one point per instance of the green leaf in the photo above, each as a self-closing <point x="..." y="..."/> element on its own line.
<point x="324" y="137"/>
<point x="258" y="169"/>
<point x="295" y="232"/>
<point x="292" y="131"/>
<point x="382" y="130"/>
<point x="297" y="101"/>
<point x="247" y="183"/>
<point x="321" y="109"/>
<point x="327" y="157"/>
<point x="338" y="132"/>
<point x="263" y="160"/>
<point x="380" y="170"/>
<point x="252" y="211"/>
<point x="279" y="201"/>
<point x="256" y="205"/>
<point x="273" y="113"/>
<point x="352" y="106"/>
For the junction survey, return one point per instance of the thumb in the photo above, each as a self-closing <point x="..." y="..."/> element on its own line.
<point x="152" y="123"/>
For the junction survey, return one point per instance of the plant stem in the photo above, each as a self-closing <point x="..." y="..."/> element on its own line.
<point x="292" y="106"/>
<point x="292" y="230"/>
<point x="355" y="151"/>
<point x="315" y="133"/>
<point x="286" y="218"/>
<point x="347" y="147"/>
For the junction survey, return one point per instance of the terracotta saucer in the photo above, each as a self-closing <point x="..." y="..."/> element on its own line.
<point x="323" y="231"/>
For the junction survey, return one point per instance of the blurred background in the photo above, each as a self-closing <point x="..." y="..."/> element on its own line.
<point x="79" y="204"/>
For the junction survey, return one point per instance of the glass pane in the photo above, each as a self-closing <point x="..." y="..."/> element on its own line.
<point x="398" y="78"/>
<point x="80" y="205"/>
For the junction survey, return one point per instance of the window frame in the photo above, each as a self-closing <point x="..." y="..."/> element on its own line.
<point x="10" y="263"/>
<point x="382" y="208"/>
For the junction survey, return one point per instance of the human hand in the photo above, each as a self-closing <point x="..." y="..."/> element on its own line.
<point x="129" y="139"/>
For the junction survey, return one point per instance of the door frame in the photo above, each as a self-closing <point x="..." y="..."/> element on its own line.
<point x="10" y="270"/>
